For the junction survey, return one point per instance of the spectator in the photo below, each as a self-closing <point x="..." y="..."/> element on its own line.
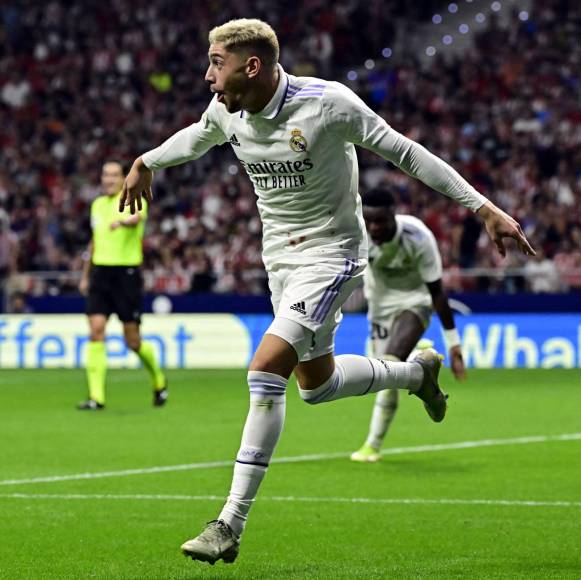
<point x="78" y="85"/>
<point x="18" y="304"/>
<point x="542" y="275"/>
<point x="8" y="254"/>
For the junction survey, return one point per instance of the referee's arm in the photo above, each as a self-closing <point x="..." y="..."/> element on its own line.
<point x="129" y="222"/>
<point x="87" y="261"/>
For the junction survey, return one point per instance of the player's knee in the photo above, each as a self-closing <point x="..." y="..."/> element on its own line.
<point x="319" y="393"/>
<point x="308" y="397"/>
<point x="133" y="343"/>
<point x="308" y="400"/>
<point x="284" y="342"/>
<point x="303" y="388"/>
<point x="266" y="387"/>
<point x="97" y="335"/>
<point x="306" y="382"/>
<point x="314" y="373"/>
<point x="263" y="363"/>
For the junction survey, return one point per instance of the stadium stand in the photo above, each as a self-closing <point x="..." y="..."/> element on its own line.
<point x="82" y="82"/>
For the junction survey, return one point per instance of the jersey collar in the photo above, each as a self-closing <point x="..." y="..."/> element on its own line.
<point x="275" y="104"/>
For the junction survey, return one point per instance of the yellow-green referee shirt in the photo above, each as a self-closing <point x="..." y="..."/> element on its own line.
<point x="120" y="247"/>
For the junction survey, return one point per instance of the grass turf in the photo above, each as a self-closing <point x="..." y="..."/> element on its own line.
<point x="75" y="536"/>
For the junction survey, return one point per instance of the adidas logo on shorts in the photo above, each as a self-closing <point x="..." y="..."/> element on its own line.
<point x="299" y="307"/>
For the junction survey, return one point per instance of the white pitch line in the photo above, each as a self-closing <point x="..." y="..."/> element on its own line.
<point x="296" y="458"/>
<point x="298" y="499"/>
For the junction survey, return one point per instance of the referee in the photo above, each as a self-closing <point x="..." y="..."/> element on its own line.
<point x="112" y="282"/>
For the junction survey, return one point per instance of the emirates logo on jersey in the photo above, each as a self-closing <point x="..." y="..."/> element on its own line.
<point x="297" y="142"/>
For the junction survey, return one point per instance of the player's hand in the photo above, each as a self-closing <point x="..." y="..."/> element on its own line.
<point x="500" y="225"/>
<point x="457" y="363"/>
<point x="136" y="184"/>
<point x="84" y="286"/>
<point x="114" y="225"/>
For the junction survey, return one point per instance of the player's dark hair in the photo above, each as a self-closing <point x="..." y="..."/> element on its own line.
<point x="379" y="197"/>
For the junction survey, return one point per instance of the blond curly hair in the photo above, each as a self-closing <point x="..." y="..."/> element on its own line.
<point x="248" y="35"/>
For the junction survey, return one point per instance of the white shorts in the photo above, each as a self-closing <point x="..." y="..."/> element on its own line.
<point x="380" y="328"/>
<point x="312" y="295"/>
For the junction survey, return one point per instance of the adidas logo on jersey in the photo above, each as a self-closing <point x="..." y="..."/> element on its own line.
<point x="234" y="141"/>
<point x="299" y="307"/>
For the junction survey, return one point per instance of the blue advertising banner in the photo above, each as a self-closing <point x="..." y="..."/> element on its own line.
<point x="488" y="340"/>
<point x="228" y="340"/>
<point x="495" y="340"/>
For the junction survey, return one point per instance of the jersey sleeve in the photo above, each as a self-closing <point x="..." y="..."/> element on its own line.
<point x="189" y="143"/>
<point x="348" y="116"/>
<point x="429" y="259"/>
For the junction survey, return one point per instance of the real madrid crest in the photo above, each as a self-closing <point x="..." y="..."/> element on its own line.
<point x="297" y="142"/>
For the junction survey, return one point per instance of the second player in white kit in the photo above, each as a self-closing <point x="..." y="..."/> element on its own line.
<point x="403" y="287"/>
<point x="295" y="138"/>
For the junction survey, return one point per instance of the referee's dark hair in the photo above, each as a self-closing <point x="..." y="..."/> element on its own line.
<point x="379" y="197"/>
<point x="117" y="162"/>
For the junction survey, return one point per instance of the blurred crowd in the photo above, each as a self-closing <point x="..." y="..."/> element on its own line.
<point x="86" y="81"/>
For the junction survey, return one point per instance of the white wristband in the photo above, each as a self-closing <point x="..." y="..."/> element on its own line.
<point x="451" y="338"/>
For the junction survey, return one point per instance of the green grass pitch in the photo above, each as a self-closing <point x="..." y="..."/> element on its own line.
<point x="315" y="518"/>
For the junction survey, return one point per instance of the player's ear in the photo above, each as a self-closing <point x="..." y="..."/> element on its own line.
<point x="253" y="66"/>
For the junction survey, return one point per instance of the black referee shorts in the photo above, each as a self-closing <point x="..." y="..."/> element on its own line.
<point x="116" y="290"/>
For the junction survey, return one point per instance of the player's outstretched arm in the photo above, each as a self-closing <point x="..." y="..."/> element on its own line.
<point x="137" y="184"/>
<point x="500" y="225"/>
<point x="186" y="145"/>
<point x="418" y="162"/>
<point x="347" y="115"/>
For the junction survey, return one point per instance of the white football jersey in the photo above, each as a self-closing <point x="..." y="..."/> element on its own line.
<point x="299" y="153"/>
<point x="398" y="270"/>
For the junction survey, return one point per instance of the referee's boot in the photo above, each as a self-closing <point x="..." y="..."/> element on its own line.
<point x="160" y="396"/>
<point x="429" y="392"/>
<point x="90" y="405"/>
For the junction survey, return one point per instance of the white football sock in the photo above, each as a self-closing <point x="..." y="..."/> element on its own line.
<point x="358" y="375"/>
<point x="259" y="438"/>
<point x="383" y="413"/>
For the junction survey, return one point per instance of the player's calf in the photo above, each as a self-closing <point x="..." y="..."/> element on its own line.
<point x="220" y="539"/>
<point x="356" y="375"/>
